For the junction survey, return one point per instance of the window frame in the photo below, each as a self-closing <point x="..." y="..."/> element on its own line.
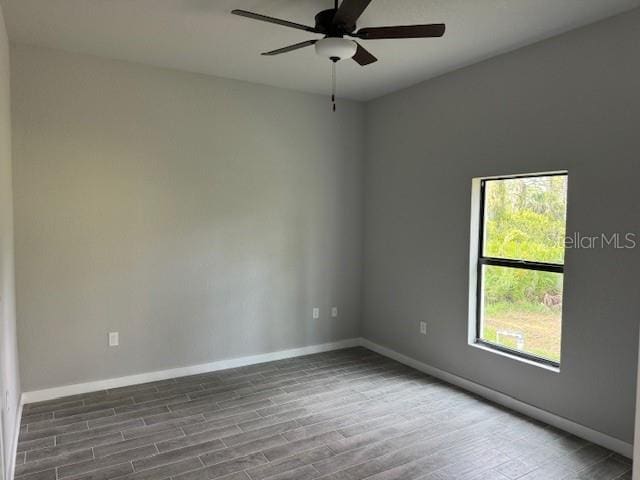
<point x="483" y="260"/>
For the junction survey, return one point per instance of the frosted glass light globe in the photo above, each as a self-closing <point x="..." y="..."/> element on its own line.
<point x="340" y="48"/>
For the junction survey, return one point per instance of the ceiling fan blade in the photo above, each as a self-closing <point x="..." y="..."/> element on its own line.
<point x="349" y="12"/>
<point x="277" y="21"/>
<point x="363" y="56"/>
<point x="404" y="31"/>
<point x="290" y="48"/>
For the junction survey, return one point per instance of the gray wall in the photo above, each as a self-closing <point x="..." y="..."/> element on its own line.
<point x="571" y="102"/>
<point x="9" y="378"/>
<point x="201" y="218"/>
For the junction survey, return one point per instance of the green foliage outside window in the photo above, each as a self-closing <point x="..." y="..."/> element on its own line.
<point x="524" y="220"/>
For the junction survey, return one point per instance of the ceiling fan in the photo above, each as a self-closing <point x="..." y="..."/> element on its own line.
<point x="339" y="22"/>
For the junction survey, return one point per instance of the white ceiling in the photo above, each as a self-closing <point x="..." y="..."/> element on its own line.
<point x="202" y="36"/>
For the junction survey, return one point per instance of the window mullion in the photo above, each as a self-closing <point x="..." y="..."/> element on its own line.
<point x="523" y="264"/>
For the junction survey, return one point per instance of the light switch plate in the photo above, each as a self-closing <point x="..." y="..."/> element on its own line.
<point x="114" y="339"/>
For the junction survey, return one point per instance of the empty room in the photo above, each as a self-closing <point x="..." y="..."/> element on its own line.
<point x="319" y="239"/>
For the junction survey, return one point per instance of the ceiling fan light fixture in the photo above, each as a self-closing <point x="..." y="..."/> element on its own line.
<point x="335" y="47"/>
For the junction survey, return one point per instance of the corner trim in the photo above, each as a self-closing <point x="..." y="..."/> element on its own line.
<point x="557" y="421"/>
<point x="57" y="392"/>
<point x="14" y="446"/>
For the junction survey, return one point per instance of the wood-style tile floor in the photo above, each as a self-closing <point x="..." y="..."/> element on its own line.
<point x="343" y="415"/>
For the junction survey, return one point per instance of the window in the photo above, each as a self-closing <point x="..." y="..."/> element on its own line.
<point x="520" y="265"/>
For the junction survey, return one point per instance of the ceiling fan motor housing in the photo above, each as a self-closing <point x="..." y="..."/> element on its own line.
<point x="325" y="24"/>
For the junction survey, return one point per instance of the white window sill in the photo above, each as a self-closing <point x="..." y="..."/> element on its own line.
<point x="544" y="366"/>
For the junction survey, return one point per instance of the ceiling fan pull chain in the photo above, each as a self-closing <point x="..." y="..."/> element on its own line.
<point x="333" y="85"/>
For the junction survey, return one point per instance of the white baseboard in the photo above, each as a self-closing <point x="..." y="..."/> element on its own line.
<point x="599" y="438"/>
<point x="14" y="445"/>
<point x="587" y="433"/>
<point x="58" y="392"/>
